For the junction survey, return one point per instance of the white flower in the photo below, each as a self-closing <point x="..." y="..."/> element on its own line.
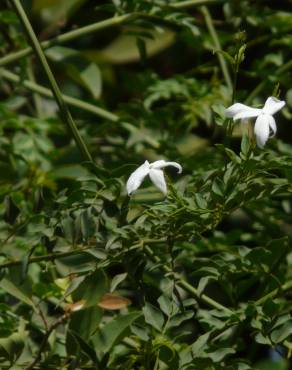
<point x="265" y="120"/>
<point x="155" y="173"/>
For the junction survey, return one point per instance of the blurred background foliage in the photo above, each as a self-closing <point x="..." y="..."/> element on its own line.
<point x="91" y="279"/>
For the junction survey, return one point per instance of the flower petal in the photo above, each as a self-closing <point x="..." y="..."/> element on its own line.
<point x="272" y="125"/>
<point x="231" y="111"/>
<point x="241" y="111"/>
<point x="248" y="113"/>
<point x="162" y="163"/>
<point x="157" y="177"/>
<point x="262" y="129"/>
<point x="273" y="105"/>
<point x="136" y="178"/>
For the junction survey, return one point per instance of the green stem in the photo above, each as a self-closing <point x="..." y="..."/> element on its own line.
<point x="47" y="257"/>
<point x="285" y="67"/>
<point x="255" y="92"/>
<point x="186" y="286"/>
<point x="217" y="46"/>
<point x="65" y="113"/>
<point x="67" y="99"/>
<point x="274" y="292"/>
<point x="71" y="35"/>
<point x="68" y="36"/>
<point x="190" y="3"/>
<point x="45" y="340"/>
<point x="35" y="96"/>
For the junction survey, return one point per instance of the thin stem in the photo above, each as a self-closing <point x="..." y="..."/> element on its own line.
<point x="35" y="96"/>
<point x="255" y="91"/>
<point x="47" y="257"/>
<point x="234" y="81"/>
<point x="217" y="46"/>
<point x="65" y="113"/>
<point x="97" y="26"/>
<point x="285" y="67"/>
<point x="274" y="292"/>
<point x="190" y="3"/>
<point x="67" y="99"/>
<point x="185" y="285"/>
<point x="68" y="36"/>
<point x="44" y="342"/>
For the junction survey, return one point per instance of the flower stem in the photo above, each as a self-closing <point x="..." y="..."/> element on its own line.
<point x="65" y="113"/>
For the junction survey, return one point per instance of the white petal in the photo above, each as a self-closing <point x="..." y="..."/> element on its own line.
<point x="262" y="129"/>
<point x="272" y="124"/>
<point x="273" y="105"/>
<point x="136" y="178"/>
<point x="241" y="111"/>
<point x="161" y="164"/>
<point x="157" y="177"/>
<point x="231" y="111"/>
<point x="248" y="113"/>
<point x="158" y="164"/>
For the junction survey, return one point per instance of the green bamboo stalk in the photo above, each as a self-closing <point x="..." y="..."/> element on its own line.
<point x="215" y="38"/>
<point x="74" y="102"/>
<point x="94" y="27"/>
<point x="65" y="113"/>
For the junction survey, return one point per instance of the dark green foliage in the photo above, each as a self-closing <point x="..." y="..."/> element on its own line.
<point x="199" y="279"/>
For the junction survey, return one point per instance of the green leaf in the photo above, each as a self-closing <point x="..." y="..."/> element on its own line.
<point x="11" y="210"/>
<point x="179" y="318"/>
<point x="260" y="338"/>
<point x="85" y="321"/>
<point x="124" y="48"/>
<point x="92" y="288"/>
<point x="280" y="334"/>
<point x="153" y="316"/>
<point x="204" y="281"/>
<point x="108" y="335"/>
<point x="16" y="292"/>
<point x="85" y="347"/>
<point x="199" y="345"/>
<point x="12" y="346"/>
<point x="90" y="75"/>
<point x="167" y="306"/>
<point x="117" y="279"/>
<point x="82" y="71"/>
<point x="52" y="11"/>
<point x="245" y="145"/>
<point x="140" y="332"/>
<point x="68" y="227"/>
<point x="220" y="354"/>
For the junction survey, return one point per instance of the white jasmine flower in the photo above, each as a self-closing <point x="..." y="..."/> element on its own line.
<point x="154" y="170"/>
<point x="265" y="122"/>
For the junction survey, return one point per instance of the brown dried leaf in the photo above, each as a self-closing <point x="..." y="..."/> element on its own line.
<point x="113" y="302"/>
<point x="73" y="307"/>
